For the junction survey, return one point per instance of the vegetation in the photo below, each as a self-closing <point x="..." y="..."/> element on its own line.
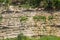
<point x="22" y="37"/>
<point x="23" y="18"/>
<point x="49" y="38"/>
<point x="39" y="18"/>
<point x="10" y="39"/>
<point x="48" y="4"/>
<point x="0" y="18"/>
<point x="27" y="6"/>
<point x="50" y="17"/>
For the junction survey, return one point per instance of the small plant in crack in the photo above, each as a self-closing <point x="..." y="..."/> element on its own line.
<point x="1" y="18"/>
<point x="50" y="17"/>
<point x="23" y="18"/>
<point x="39" y="18"/>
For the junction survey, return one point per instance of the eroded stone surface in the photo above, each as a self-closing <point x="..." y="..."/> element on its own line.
<point x="11" y="25"/>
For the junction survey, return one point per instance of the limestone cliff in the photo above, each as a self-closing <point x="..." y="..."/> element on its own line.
<point x="12" y="24"/>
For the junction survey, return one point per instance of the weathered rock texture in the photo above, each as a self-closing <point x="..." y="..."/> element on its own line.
<point x="11" y="26"/>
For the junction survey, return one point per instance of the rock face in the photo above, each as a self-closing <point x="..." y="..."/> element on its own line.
<point x="11" y="26"/>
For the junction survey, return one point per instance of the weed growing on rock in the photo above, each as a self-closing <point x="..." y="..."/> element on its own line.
<point x="39" y="18"/>
<point x="50" y="17"/>
<point x="23" y="18"/>
<point x="1" y="18"/>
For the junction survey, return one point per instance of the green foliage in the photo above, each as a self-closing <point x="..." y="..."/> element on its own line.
<point x="5" y="1"/>
<point x="48" y="4"/>
<point x="38" y="18"/>
<point x="50" y="38"/>
<point x="50" y="17"/>
<point x="26" y="6"/>
<point x="22" y="37"/>
<point x="1" y="1"/>
<point x="51" y="4"/>
<point x="1" y="18"/>
<point x="57" y="4"/>
<point x="11" y="39"/>
<point x="23" y="18"/>
<point x="33" y="3"/>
